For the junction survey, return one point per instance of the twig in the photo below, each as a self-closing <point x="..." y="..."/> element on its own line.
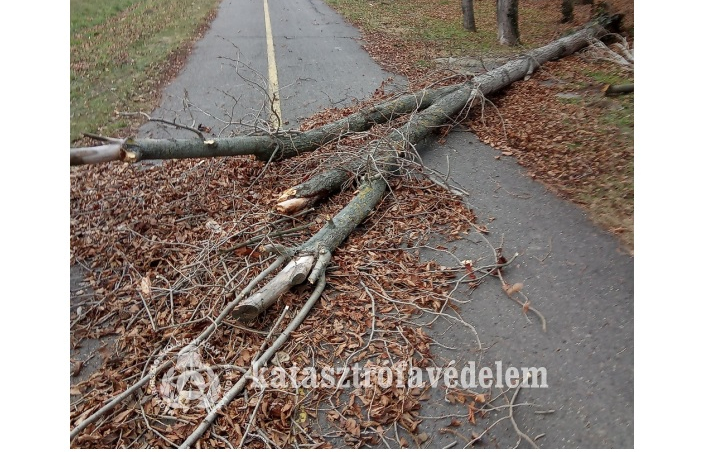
<point x="251" y="419"/>
<point x="148" y="424"/>
<point x="525" y="306"/>
<point x="162" y="121"/>
<point x="150" y="317"/>
<point x="549" y="251"/>
<point x="512" y="416"/>
<point x="105" y="139"/>
<point x="116" y="400"/>
<point x="206" y="333"/>
<point x="271" y="332"/>
<point x="271" y="235"/>
<point x="478" y="437"/>
<point x="227" y="310"/>
<point x="320" y="267"/>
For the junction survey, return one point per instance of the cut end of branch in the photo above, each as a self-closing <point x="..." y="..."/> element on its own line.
<point x="96" y="154"/>
<point x="290" y="206"/>
<point x="287" y="194"/>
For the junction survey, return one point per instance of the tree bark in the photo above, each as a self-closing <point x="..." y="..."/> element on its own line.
<point x="508" y="31"/>
<point x="370" y="193"/>
<point x="568" y="11"/>
<point x="265" y="147"/>
<point x="293" y="274"/>
<point x="319" y="187"/>
<point x="468" y="15"/>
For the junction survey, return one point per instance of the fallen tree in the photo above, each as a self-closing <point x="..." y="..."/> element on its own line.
<point x="429" y="110"/>
<point x="265" y="146"/>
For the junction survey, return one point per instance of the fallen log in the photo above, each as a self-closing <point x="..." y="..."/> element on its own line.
<point x="370" y="193"/>
<point x="266" y="146"/>
<point x="319" y="187"/>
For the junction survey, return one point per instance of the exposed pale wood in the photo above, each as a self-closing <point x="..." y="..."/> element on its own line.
<point x="293" y="274"/>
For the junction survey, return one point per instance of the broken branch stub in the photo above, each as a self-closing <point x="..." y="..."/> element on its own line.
<point x="293" y="274"/>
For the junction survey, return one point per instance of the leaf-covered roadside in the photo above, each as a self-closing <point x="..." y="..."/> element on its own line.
<point x="151" y="239"/>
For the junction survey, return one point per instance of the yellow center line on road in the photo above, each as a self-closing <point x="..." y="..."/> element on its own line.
<point x="273" y="76"/>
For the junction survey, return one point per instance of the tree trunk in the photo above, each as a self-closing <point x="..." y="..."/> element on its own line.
<point x="312" y="191"/>
<point x="568" y="11"/>
<point x="265" y="147"/>
<point x="370" y="193"/>
<point x="508" y="32"/>
<point x="468" y="15"/>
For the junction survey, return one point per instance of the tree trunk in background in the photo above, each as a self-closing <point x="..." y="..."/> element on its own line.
<point x="567" y="10"/>
<point x="508" y="32"/>
<point x="468" y="15"/>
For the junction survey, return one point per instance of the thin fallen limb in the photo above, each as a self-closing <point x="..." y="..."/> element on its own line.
<point x="116" y="400"/>
<point x="294" y="273"/>
<point x="281" y="144"/>
<point x="526" y="306"/>
<point x="163" y="121"/>
<point x="97" y="154"/>
<point x="512" y="416"/>
<point x="253" y="370"/>
<point x="194" y="344"/>
<point x="258" y="238"/>
<point x="251" y="420"/>
<point x="505" y="287"/>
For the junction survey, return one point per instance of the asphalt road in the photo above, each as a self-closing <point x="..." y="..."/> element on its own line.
<point x="319" y="64"/>
<point x="577" y="275"/>
<point x="574" y="273"/>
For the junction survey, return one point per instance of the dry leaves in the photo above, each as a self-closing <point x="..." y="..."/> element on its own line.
<point x="151" y="238"/>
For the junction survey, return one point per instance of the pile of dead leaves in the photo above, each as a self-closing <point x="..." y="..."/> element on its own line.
<point x="150" y="239"/>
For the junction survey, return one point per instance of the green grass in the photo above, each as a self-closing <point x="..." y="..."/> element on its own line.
<point x="119" y="53"/>
<point x="87" y="13"/>
<point x="436" y="23"/>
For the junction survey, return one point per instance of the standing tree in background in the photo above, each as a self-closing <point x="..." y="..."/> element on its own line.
<point x="468" y="15"/>
<point x="508" y="32"/>
<point x="567" y="10"/>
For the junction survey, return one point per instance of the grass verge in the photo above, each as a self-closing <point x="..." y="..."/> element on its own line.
<point x="121" y="54"/>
